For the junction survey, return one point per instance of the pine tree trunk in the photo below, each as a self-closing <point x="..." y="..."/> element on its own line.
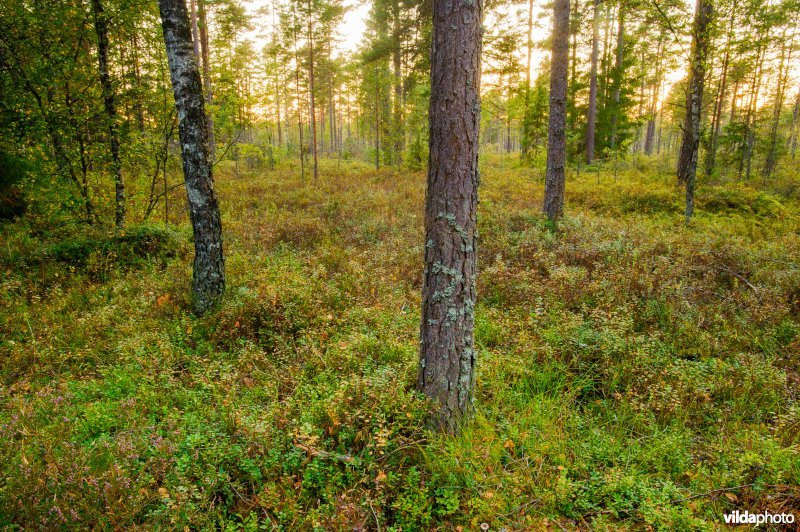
<point x="377" y="121"/>
<point x="447" y="344"/>
<point x="101" y="28"/>
<point x="397" y="66"/>
<point x="208" y="281"/>
<point x="745" y="163"/>
<point x="687" y="165"/>
<point x="650" y="133"/>
<point x="299" y="106"/>
<point x="719" y="101"/>
<point x="783" y="77"/>
<point x="592" y="113"/>
<point x="526" y="127"/>
<point x="795" y="114"/>
<point x="195" y="30"/>
<point x="556" y="136"/>
<point x="311" y="88"/>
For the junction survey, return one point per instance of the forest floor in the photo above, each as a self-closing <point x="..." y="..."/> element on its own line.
<point x="632" y="371"/>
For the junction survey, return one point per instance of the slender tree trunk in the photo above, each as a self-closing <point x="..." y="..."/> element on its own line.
<point x="397" y="66"/>
<point x="687" y="167"/>
<point x="618" y="74"/>
<point x="208" y="281"/>
<point x="377" y="121"/>
<point x="278" y="94"/>
<point x="651" y="115"/>
<point x="783" y="77"/>
<point x="311" y="88"/>
<point x="101" y="28"/>
<point x="795" y="114"/>
<point x="556" y="136"/>
<point x="745" y="164"/>
<point x="719" y="101"/>
<point x="572" y="86"/>
<point x="734" y="100"/>
<point x="299" y="105"/>
<point x="195" y="30"/>
<point x="526" y="125"/>
<point x="592" y="113"/>
<point x="447" y="344"/>
<point x="202" y="24"/>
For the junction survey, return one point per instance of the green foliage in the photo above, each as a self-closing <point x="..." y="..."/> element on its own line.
<point x="12" y="171"/>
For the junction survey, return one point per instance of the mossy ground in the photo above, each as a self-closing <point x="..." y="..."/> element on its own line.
<point x="633" y="372"/>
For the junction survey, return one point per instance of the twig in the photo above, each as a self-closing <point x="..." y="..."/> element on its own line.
<point x="377" y="523"/>
<point x="741" y="277"/>
<point x="729" y="488"/>
<point x="523" y="506"/>
<point x="326" y="455"/>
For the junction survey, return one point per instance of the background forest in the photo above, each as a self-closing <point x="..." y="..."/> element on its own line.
<point x="636" y="370"/>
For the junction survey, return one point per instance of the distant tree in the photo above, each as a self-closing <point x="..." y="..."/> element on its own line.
<point x="447" y="343"/>
<point x="556" y="135"/>
<point x="101" y="28"/>
<point x="687" y="163"/>
<point x="591" y="119"/>
<point x="208" y="282"/>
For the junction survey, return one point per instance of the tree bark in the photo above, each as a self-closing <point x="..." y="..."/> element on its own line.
<point x="208" y="281"/>
<point x="687" y="165"/>
<point x="556" y="136"/>
<point x="447" y="346"/>
<point x="101" y="28"/>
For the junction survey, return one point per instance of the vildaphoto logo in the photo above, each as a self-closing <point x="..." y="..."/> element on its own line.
<point x="746" y="518"/>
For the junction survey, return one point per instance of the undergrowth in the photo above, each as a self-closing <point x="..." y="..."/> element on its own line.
<point x="633" y="372"/>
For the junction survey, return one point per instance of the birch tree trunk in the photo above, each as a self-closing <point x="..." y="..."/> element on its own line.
<point x="208" y="281"/>
<point x="447" y="346"/>
<point x="557" y="134"/>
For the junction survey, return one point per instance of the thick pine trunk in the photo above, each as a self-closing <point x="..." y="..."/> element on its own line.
<point x="557" y="134"/>
<point x="208" y="281"/>
<point x="447" y="345"/>
<point x="687" y="164"/>
<point x="101" y="28"/>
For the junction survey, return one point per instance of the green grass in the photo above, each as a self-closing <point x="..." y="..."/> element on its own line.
<point x="632" y="373"/>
